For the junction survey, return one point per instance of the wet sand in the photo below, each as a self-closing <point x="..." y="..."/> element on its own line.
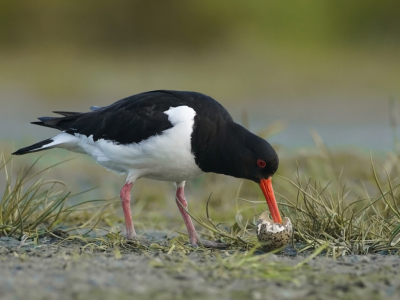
<point x="69" y="271"/>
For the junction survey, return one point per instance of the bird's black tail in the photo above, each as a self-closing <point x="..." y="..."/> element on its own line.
<point x="35" y="147"/>
<point x="52" y="122"/>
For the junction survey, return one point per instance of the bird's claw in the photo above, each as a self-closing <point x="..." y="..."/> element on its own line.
<point x="210" y="244"/>
<point x="139" y="239"/>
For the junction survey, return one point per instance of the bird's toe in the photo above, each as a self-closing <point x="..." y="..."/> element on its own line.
<point x="213" y="244"/>
<point x="138" y="239"/>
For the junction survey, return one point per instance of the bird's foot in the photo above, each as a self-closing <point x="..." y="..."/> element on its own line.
<point x="210" y="244"/>
<point x="138" y="239"/>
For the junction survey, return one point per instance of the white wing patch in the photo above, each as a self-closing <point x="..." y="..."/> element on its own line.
<point x="166" y="157"/>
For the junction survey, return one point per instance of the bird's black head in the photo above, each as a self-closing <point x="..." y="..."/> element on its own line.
<point x="238" y="153"/>
<point x="258" y="159"/>
<point x="233" y="150"/>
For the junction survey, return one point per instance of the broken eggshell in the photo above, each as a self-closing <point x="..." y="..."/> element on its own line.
<point x="273" y="235"/>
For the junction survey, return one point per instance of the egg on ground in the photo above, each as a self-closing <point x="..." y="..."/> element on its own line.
<point x="273" y="235"/>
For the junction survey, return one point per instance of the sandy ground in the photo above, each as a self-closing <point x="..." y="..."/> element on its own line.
<point x="51" y="271"/>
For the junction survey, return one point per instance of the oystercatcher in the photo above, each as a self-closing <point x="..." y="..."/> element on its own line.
<point x="165" y="135"/>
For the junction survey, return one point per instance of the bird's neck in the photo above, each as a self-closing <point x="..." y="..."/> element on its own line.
<point x="222" y="150"/>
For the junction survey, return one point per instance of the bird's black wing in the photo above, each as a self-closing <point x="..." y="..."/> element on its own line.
<point x="138" y="117"/>
<point x="126" y="121"/>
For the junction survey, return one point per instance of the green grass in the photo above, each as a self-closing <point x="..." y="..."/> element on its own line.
<point x="31" y="205"/>
<point x="346" y="202"/>
<point x="354" y="215"/>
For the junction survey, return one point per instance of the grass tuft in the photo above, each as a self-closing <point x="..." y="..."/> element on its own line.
<point x="32" y="206"/>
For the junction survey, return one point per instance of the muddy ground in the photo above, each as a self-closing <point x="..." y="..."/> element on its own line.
<point x="69" y="271"/>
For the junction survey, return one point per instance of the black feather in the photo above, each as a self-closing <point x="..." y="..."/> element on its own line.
<point x="33" y="148"/>
<point x="66" y="113"/>
<point x="41" y="124"/>
<point x="44" y="119"/>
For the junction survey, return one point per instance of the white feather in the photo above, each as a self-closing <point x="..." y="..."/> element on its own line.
<point x="61" y="139"/>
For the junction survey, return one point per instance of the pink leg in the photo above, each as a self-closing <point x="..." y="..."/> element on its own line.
<point x="125" y="195"/>
<point x="182" y="205"/>
<point x="193" y="236"/>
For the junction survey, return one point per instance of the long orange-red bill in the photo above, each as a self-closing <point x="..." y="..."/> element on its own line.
<point x="266" y="187"/>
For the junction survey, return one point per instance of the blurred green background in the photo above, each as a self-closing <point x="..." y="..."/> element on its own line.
<point x="127" y="25"/>
<point x="325" y="65"/>
<point x="328" y="65"/>
<point x="331" y="66"/>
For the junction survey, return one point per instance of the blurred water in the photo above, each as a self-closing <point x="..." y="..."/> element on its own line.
<point x="364" y="137"/>
<point x="366" y="128"/>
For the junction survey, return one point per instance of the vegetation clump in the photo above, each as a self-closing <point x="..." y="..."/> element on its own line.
<point x="330" y="204"/>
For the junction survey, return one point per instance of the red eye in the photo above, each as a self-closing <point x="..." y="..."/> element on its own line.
<point x="261" y="163"/>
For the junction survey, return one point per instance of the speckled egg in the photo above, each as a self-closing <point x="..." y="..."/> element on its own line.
<point x="273" y="235"/>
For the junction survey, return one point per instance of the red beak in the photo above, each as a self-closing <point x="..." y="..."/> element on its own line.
<point x="266" y="187"/>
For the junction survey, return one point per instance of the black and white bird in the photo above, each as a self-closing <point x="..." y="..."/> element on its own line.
<point x="165" y="135"/>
